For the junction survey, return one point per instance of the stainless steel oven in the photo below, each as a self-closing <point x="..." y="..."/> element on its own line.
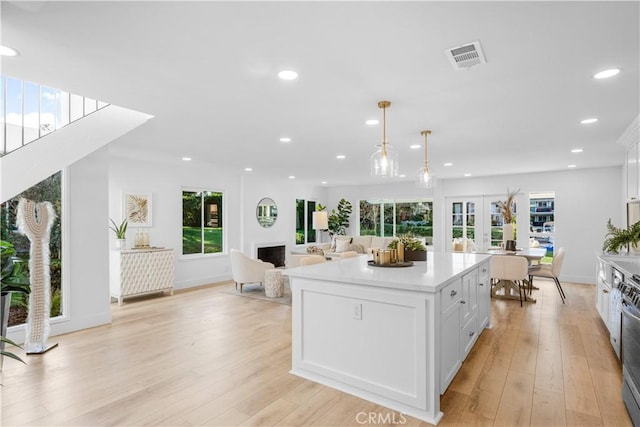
<point x="630" y="308"/>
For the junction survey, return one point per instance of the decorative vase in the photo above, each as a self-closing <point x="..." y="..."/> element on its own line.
<point x="415" y="255"/>
<point x="121" y="244"/>
<point x="507" y="233"/>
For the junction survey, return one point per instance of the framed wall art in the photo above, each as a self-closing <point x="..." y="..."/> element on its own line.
<point x="137" y="209"/>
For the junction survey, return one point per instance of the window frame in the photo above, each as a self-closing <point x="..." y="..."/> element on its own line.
<point x="222" y="215"/>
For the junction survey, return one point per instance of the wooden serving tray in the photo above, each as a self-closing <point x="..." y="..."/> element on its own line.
<point x="394" y="265"/>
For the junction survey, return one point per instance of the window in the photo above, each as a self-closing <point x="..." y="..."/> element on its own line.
<point x="463" y="216"/>
<point x="202" y="222"/>
<point x="541" y="221"/>
<point x="50" y="190"/>
<point x="393" y="217"/>
<point x="304" y="221"/>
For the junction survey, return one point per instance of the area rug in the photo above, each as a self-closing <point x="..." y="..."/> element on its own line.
<point x="254" y="290"/>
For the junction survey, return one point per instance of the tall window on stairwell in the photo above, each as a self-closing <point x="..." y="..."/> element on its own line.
<point x="48" y="190"/>
<point x="202" y="222"/>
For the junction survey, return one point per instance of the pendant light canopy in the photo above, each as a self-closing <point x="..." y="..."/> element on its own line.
<point x="384" y="162"/>
<point x="425" y="180"/>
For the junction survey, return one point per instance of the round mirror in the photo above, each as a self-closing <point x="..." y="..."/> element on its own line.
<point x="267" y="212"/>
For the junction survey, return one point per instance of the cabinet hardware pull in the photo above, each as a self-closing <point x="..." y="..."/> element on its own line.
<point x="471" y="333"/>
<point x="484" y="269"/>
<point x="605" y="291"/>
<point x="463" y="302"/>
<point x="481" y="284"/>
<point x="453" y="293"/>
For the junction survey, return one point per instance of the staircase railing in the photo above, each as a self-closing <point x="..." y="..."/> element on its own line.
<point x="29" y="111"/>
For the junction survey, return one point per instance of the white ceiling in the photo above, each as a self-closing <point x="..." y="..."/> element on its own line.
<point x="208" y="71"/>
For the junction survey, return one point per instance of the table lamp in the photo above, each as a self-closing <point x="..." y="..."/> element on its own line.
<point x="320" y="222"/>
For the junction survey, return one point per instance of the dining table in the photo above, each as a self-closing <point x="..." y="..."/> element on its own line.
<point x="507" y="289"/>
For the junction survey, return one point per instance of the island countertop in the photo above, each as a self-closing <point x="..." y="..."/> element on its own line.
<point x="424" y="276"/>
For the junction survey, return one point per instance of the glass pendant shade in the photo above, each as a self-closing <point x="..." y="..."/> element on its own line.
<point x="385" y="161"/>
<point x="424" y="178"/>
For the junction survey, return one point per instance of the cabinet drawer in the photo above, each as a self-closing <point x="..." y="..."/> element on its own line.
<point x="450" y="294"/>
<point x="468" y="336"/>
<point x="483" y="273"/>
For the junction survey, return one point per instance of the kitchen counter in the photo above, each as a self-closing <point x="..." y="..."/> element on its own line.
<point x="424" y="276"/>
<point x="394" y="336"/>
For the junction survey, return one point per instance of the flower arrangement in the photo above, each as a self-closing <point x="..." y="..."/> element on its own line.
<point x="506" y="206"/>
<point x="410" y="242"/>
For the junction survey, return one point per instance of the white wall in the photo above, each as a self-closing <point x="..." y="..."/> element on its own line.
<point x="284" y="192"/>
<point x="165" y="181"/>
<point x="584" y="201"/>
<point x="85" y="248"/>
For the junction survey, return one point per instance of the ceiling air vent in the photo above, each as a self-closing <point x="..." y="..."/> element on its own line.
<point x="466" y="56"/>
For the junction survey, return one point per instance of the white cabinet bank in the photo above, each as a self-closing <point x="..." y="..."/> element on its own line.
<point x="393" y="336"/>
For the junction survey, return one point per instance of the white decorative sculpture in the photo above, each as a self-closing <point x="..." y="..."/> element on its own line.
<point x="35" y="221"/>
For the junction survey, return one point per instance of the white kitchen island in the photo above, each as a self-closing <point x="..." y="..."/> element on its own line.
<point x="393" y="336"/>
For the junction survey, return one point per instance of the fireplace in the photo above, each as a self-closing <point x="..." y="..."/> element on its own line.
<point x="274" y="253"/>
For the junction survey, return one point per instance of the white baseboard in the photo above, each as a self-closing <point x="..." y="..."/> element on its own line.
<point x="192" y="283"/>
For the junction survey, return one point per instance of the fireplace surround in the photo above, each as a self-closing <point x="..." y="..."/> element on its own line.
<point x="273" y="252"/>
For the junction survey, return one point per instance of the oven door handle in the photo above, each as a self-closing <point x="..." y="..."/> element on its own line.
<point x="623" y="305"/>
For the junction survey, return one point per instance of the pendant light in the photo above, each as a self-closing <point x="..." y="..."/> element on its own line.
<point x="384" y="162"/>
<point x="425" y="180"/>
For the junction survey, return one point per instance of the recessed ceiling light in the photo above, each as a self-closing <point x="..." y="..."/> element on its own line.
<point x="577" y="150"/>
<point x="589" y="120"/>
<point x="186" y="158"/>
<point x="7" y="51"/>
<point x="415" y="146"/>
<point x="292" y="177"/>
<point x="323" y="182"/>
<point x="288" y="75"/>
<point x="467" y="174"/>
<point x="285" y="139"/>
<point x="248" y="169"/>
<point x="606" y="73"/>
<point x="341" y="156"/>
<point x="402" y="175"/>
<point x="571" y="166"/>
<point x="372" y="122"/>
<point x="448" y="164"/>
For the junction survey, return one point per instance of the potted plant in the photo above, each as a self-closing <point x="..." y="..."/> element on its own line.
<point x="121" y="233"/>
<point x="617" y="239"/>
<point x="339" y="219"/>
<point x="414" y="249"/>
<point x="13" y="278"/>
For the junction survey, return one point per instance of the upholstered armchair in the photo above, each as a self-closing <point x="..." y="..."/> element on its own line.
<point x="247" y="270"/>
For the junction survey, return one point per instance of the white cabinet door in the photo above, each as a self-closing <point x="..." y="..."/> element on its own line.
<point x="450" y="360"/>
<point x="484" y="297"/>
<point x="469" y="303"/>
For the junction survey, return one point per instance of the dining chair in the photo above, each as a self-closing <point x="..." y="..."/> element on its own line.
<point x="550" y="271"/>
<point x="510" y="268"/>
<point x="312" y="259"/>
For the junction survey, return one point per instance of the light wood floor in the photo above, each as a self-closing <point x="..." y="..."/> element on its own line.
<point x="204" y="357"/>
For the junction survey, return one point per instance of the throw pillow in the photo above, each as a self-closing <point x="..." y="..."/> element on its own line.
<point x="342" y="245"/>
<point x="314" y="250"/>
<point x="356" y="247"/>
<point x="335" y="240"/>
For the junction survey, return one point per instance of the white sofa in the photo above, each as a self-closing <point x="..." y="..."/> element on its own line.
<point x="350" y="243"/>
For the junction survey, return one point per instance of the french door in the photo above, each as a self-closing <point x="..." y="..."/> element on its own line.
<point x="477" y="218"/>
